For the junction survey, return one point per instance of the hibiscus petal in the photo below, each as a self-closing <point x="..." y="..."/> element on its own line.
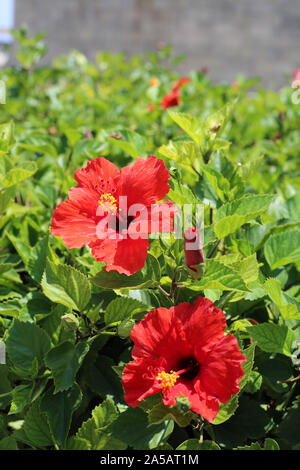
<point x="126" y="256"/>
<point x="145" y="182"/>
<point x="160" y="334"/>
<point x="222" y="370"/>
<point x="204" y="324"/>
<point x="85" y="199"/>
<point x="138" y="381"/>
<point x="71" y="222"/>
<point x="203" y="403"/>
<point x="155" y="219"/>
<point x="99" y="174"/>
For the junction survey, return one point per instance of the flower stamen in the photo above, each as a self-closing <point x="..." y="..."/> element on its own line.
<point x="167" y="380"/>
<point x="108" y="202"/>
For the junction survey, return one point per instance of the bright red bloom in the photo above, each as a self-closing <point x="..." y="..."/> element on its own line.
<point x="113" y="211"/>
<point x="172" y="99"/>
<point x="193" y="248"/>
<point x="181" y="82"/>
<point x="183" y="351"/>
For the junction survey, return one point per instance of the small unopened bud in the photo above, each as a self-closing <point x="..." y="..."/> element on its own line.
<point x="125" y="327"/>
<point x="70" y="322"/>
<point x="193" y="251"/>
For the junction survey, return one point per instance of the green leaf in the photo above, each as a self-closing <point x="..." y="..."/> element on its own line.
<point x="6" y="196"/>
<point x="160" y="413"/>
<point x="64" y="361"/>
<point x="141" y="435"/>
<point x="181" y="194"/>
<point x="59" y="409"/>
<point x="233" y="215"/>
<point x="102" y="379"/>
<point x="247" y="366"/>
<point x="25" y="343"/>
<point x="18" y="174"/>
<point x="122" y="308"/>
<point x="46" y="149"/>
<point x="282" y="248"/>
<point x="22" y="248"/>
<point x="93" y="430"/>
<point x="105" y="413"/>
<point x="254" y="382"/>
<point x="273" y="338"/>
<point x="5" y="387"/>
<point x="288" y="429"/>
<point x="7" y="131"/>
<point x="217" y="181"/>
<point x="194" y="444"/>
<point x="148" y="277"/>
<point x="65" y="285"/>
<point x="134" y="145"/>
<point x="219" y="276"/>
<point x="269" y="444"/>
<point x="183" y="153"/>
<point x="218" y="118"/>
<point x="21" y="397"/>
<point x="247" y="268"/>
<point x="226" y="410"/>
<point x="77" y="443"/>
<point x="36" y="427"/>
<point x="8" y="443"/>
<point x="287" y="309"/>
<point x="249" y="421"/>
<point x="190" y="124"/>
<point x="37" y="260"/>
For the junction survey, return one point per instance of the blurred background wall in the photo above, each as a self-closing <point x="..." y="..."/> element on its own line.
<point x="230" y="37"/>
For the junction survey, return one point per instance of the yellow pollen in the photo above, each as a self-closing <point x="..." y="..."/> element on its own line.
<point x="108" y="201"/>
<point x="167" y="380"/>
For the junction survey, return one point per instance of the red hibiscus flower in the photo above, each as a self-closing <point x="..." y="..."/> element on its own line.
<point x="172" y="99"/>
<point x="182" y="351"/>
<point x="113" y="211"/>
<point x="181" y="82"/>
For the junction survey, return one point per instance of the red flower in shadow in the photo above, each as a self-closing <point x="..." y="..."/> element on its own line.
<point x="113" y="211"/>
<point x="182" y="351"/>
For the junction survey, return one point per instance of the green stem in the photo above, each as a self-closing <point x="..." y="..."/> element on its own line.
<point x="225" y="300"/>
<point x="5" y="394"/>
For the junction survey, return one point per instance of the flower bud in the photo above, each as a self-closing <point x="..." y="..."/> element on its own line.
<point x="193" y="251"/>
<point x="125" y="327"/>
<point x="69" y="322"/>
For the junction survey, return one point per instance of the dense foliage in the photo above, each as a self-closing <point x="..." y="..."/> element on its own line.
<point x="66" y="321"/>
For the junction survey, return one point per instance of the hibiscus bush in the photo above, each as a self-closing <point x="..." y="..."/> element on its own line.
<point x="149" y="257"/>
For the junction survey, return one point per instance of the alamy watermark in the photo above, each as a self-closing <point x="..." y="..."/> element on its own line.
<point x="2" y="92"/>
<point x="117" y="220"/>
